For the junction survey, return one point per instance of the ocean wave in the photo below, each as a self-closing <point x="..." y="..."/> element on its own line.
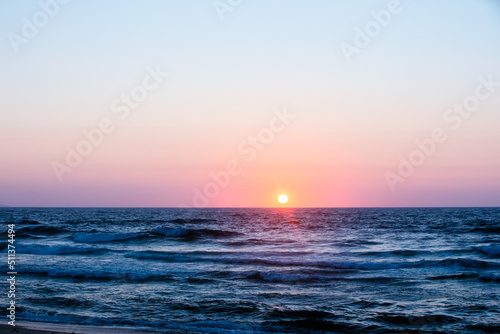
<point x="188" y="233"/>
<point x="308" y="276"/>
<point x="98" y="274"/>
<point x="193" y="220"/>
<point x="58" y="250"/>
<point x="212" y="256"/>
<point x="276" y="277"/>
<point x="466" y="263"/>
<point x="25" y="221"/>
<point x="489" y="277"/>
<point x="244" y="259"/>
<point x="398" y="252"/>
<point x="97" y="237"/>
<point x="290" y="260"/>
<point x="168" y="257"/>
<point x="39" y="230"/>
<point x="486" y="229"/>
<point x="354" y="243"/>
<point x="486" y="328"/>
<point x="455" y="276"/>
<point x="492" y="250"/>
<point x="486" y="277"/>
<point x="58" y="301"/>
<point x="404" y="319"/>
<point x="292" y="312"/>
<point x="259" y="242"/>
<point x="161" y="231"/>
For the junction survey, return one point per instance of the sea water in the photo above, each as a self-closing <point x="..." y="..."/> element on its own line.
<point x="283" y="270"/>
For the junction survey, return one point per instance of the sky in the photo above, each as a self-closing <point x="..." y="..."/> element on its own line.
<point x="231" y="103"/>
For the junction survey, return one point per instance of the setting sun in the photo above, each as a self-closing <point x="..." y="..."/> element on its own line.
<point x="282" y="199"/>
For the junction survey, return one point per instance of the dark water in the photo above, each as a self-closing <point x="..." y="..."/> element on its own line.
<point x="260" y="270"/>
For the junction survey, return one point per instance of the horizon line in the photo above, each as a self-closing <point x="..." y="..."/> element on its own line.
<point x="247" y="207"/>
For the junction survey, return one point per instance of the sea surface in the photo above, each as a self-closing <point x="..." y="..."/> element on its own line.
<point x="417" y="270"/>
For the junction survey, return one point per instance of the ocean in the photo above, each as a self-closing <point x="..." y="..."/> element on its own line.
<point x="262" y="270"/>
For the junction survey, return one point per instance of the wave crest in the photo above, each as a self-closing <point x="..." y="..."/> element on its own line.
<point x="103" y="237"/>
<point x="58" y="250"/>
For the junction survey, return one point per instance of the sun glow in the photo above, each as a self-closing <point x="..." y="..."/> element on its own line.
<point x="282" y="198"/>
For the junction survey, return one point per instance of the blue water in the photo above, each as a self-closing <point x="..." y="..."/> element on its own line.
<point x="433" y="270"/>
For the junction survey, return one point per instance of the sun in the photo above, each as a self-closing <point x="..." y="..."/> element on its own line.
<point x="282" y="198"/>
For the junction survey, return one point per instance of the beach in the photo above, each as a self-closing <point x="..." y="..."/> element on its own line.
<point x="50" y="328"/>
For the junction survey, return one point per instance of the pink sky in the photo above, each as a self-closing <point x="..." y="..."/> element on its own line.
<point x="179" y="105"/>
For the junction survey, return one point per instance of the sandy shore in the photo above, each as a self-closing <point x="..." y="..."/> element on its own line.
<point x="48" y="328"/>
<point x="23" y="330"/>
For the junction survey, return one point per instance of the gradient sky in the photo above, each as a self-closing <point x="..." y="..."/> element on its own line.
<point x="353" y="120"/>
